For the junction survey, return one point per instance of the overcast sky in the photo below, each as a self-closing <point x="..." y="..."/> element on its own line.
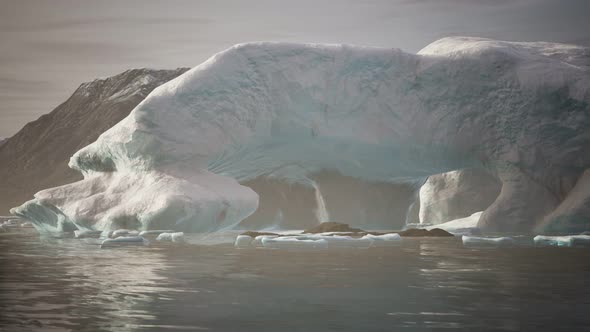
<point x="47" y="48"/>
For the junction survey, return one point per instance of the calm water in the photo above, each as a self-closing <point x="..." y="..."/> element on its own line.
<point x="424" y="285"/>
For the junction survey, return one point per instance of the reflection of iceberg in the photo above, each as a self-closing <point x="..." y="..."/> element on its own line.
<point x="287" y="112"/>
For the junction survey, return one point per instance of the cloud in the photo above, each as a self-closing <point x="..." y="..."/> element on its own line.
<point x="69" y="24"/>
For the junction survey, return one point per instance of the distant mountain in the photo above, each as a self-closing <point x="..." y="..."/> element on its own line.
<point x="37" y="156"/>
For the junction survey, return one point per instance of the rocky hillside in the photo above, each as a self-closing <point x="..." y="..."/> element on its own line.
<point x="37" y="156"/>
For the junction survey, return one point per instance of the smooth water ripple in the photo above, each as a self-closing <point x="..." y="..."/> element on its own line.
<point x="424" y="285"/>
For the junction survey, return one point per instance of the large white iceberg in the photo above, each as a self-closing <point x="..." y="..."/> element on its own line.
<point x="288" y="111"/>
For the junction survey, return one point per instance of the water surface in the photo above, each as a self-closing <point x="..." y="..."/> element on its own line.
<point x="424" y="285"/>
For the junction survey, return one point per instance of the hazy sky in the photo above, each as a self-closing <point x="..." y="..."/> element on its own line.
<point x="49" y="47"/>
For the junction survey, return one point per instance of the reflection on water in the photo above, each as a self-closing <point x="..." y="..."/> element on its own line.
<point x="426" y="284"/>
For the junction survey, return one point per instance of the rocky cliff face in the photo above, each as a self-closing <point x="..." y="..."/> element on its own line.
<point x="37" y="156"/>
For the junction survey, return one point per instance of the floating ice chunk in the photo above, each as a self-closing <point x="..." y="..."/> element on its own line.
<point x="294" y="242"/>
<point x="310" y="241"/>
<point x="9" y="224"/>
<point x="337" y="241"/>
<point x="83" y="234"/>
<point x="563" y="241"/>
<point x="385" y="240"/>
<point x="124" y="232"/>
<point x="155" y="232"/>
<point x="124" y="241"/>
<point x="257" y="242"/>
<point x="487" y="241"/>
<point x="243" y="241"/>
<point x="177" y="237"/>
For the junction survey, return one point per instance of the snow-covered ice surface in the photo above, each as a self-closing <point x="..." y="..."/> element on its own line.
<point x="563" y="241"/>
<point x="286" y="111"/>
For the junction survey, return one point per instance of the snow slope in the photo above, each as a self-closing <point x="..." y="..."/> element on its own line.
<point x="288" y="111"/>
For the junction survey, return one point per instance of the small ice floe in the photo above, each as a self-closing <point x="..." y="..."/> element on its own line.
<point x="311" y="241"/>
<point x="562" y="241"/>
<point x="385" y="240"/>
<point x="124" y="241"/>
<point x="155" y="232"/>
<point x="257" y="242"/>
<point x="294" y="242"/>
<point x="177" y="237"/>
<point x="11" y="223"/>
<point x="244" y="241"/>
<point x="336" y="241"/>
<point x="26" y="224"/>
<point x="124" y="232"/>
<point x="87" y="234"/>
<point x="487" y="241"/>
<point x="14" y="224"/>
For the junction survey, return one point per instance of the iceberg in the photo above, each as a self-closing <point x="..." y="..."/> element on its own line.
<point x="462" y="226"/>
<point x="563" y="241"/>
<point x="455" y="195"/>
<point x="285" y="112"/>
